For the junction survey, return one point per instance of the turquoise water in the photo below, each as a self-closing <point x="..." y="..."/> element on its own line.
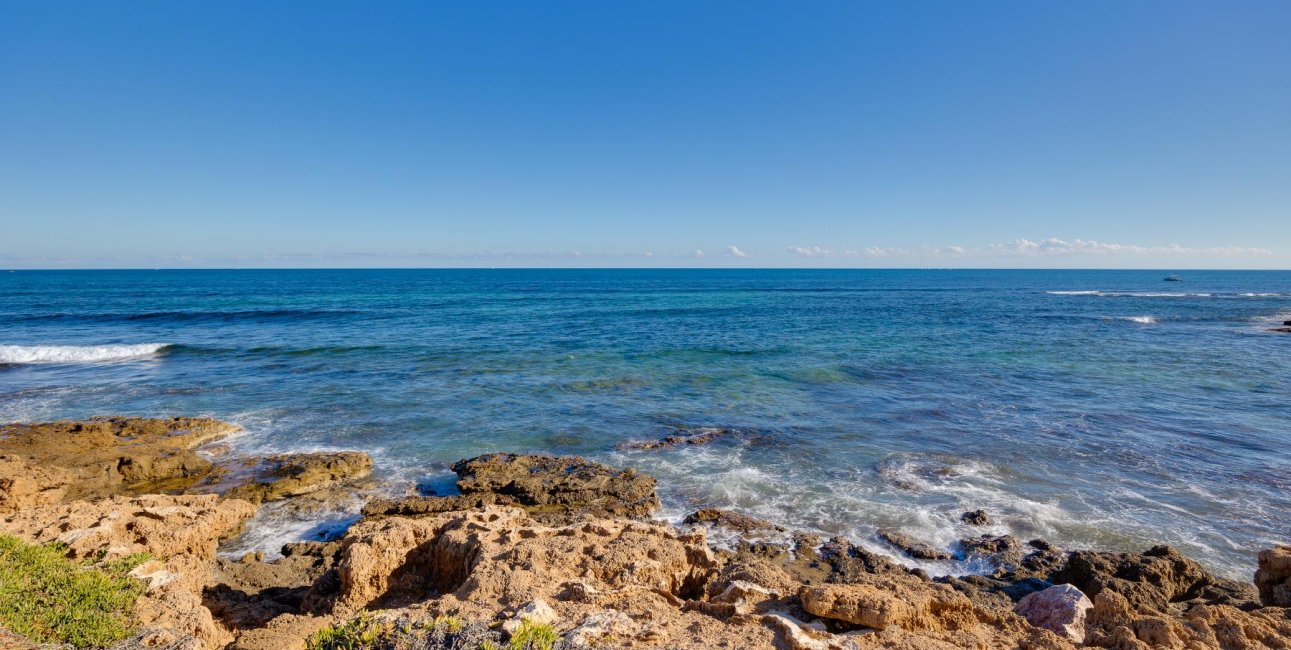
<point x="1091" y="408"/>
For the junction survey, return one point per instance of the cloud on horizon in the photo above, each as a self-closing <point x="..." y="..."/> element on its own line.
<point x="1025" y="248"/>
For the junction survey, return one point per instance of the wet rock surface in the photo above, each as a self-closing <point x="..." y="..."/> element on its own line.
<point x="282" y="476"/>
<point x="109" y="455"/>
<point x="911" y="546"/>
<point x="976" y="518"/>
<point x="552" y="487"/>
<point x="730" y="520"/>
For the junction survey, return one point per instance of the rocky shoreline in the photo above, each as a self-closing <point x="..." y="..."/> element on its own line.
<point x="550" y="552"/>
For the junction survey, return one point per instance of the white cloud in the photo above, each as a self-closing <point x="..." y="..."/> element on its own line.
<point x="699" y="252"/>
<point x="734" y="251"/>
<point x="1051" y="247"/>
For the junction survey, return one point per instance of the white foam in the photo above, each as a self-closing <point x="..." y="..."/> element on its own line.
<point x="76" y="353"/>
<point x="1142" y="320"/>
<point x="1075" y="293"/>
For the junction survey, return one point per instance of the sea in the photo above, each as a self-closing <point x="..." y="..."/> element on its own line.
<point x="1094" y="409"/>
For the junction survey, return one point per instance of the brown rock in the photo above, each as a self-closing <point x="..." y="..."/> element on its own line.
<point x="272" y="478"/>
<point x="1273" y="578"/>
<point x="1155" y="580"/>
<point x="111" y="455"/>
<point x="23" y="485"/>
<point x="909" y="602"/>
<point x="731" y="520"/>
<point x="911" y="546"/>
<point x="976" y="518"/>
<point x="180" y="531"/>
<point x="555" y="488"/>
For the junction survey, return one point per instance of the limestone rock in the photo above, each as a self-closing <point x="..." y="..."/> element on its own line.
<point x="909" y="603"/>
<point x="1060" y="608"/>
<point x="110" y="455"/>
<point x="282" y="476"/>
<point x="555" y="488"/>
<point x="911" y="546"/>
<point x="24" y="485"/>
<point x="536" y="612"/>
<point x="160" y="525"/>
<point x="1273" y="578"/>
<point x="976" y="518"/>
<point x="731" y="520"/>
<point x="1156" y="580"/>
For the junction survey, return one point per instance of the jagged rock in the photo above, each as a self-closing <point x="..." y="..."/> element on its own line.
<point x="732" y="520"/>
<point x="1155" y="580"/>
<point x="911" y="546"/>
<point x="180" y="531"/>
<point x="907" y="602"/>
<point x="1060" y="608"/>
<point x="272" y="478"/>
<point x="556" y="488"/>
<point x="24" y="485"/>
<point x="104" y="456"/>
<point x="1273" y="578"/>
<point x="1004" y="551"/>
<point x="976" y="518"/>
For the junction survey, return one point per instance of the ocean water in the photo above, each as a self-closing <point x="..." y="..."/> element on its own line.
<point x="1101" y="409"/>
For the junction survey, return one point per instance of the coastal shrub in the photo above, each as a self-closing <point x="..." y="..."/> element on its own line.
<point x="49" y="598"/>
<point x="355" y="634"/>
<point x="533" y="636"/>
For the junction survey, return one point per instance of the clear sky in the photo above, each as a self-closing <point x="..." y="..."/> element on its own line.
<point x="1119" y="133"/>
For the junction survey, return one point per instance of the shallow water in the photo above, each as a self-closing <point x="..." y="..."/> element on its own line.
<point x="1091" y="408"/>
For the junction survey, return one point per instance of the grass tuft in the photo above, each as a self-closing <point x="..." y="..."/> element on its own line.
<point x="49" y="598"/>
<point x="355" y="634"/>
<point x="533" y="636"/>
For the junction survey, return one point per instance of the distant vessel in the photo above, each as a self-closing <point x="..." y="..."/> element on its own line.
<point x="1173" y="278"/>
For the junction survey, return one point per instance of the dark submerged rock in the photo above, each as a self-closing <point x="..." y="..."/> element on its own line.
<point x="695" y="436"/>
<point x="911" y="546"/>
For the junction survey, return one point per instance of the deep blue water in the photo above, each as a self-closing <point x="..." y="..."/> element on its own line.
<point x="1147" y="412"/>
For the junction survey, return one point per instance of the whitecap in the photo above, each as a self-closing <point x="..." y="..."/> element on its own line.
<point x="1142" y="320"/>
<point x="1075" y="293"/>
<point x="76" y="353"/>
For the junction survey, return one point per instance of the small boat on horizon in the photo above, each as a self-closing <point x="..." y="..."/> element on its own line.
<point x="1173" y="278"/>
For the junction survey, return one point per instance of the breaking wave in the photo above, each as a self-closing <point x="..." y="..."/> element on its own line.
<point x="12" y="354"/>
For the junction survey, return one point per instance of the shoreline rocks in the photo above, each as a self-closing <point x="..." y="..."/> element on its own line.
<point x="567" y="543"/>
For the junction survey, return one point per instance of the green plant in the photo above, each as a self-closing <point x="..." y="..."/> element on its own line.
<point x="489" y="645"/>
<point x="451" y="624"/>
<point x="533" y="636"/>
<point x="47" y="597"/>
<point x="355" y="634"/>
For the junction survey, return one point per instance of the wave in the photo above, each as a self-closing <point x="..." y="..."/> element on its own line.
<point x="1142" y="320"/>
<point x="24" y="354"/>
<point x="189" y="316"/>
<point x="1168" y="294"/>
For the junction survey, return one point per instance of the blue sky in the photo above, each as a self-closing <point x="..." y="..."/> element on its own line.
<point x="1005" y="134"/>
